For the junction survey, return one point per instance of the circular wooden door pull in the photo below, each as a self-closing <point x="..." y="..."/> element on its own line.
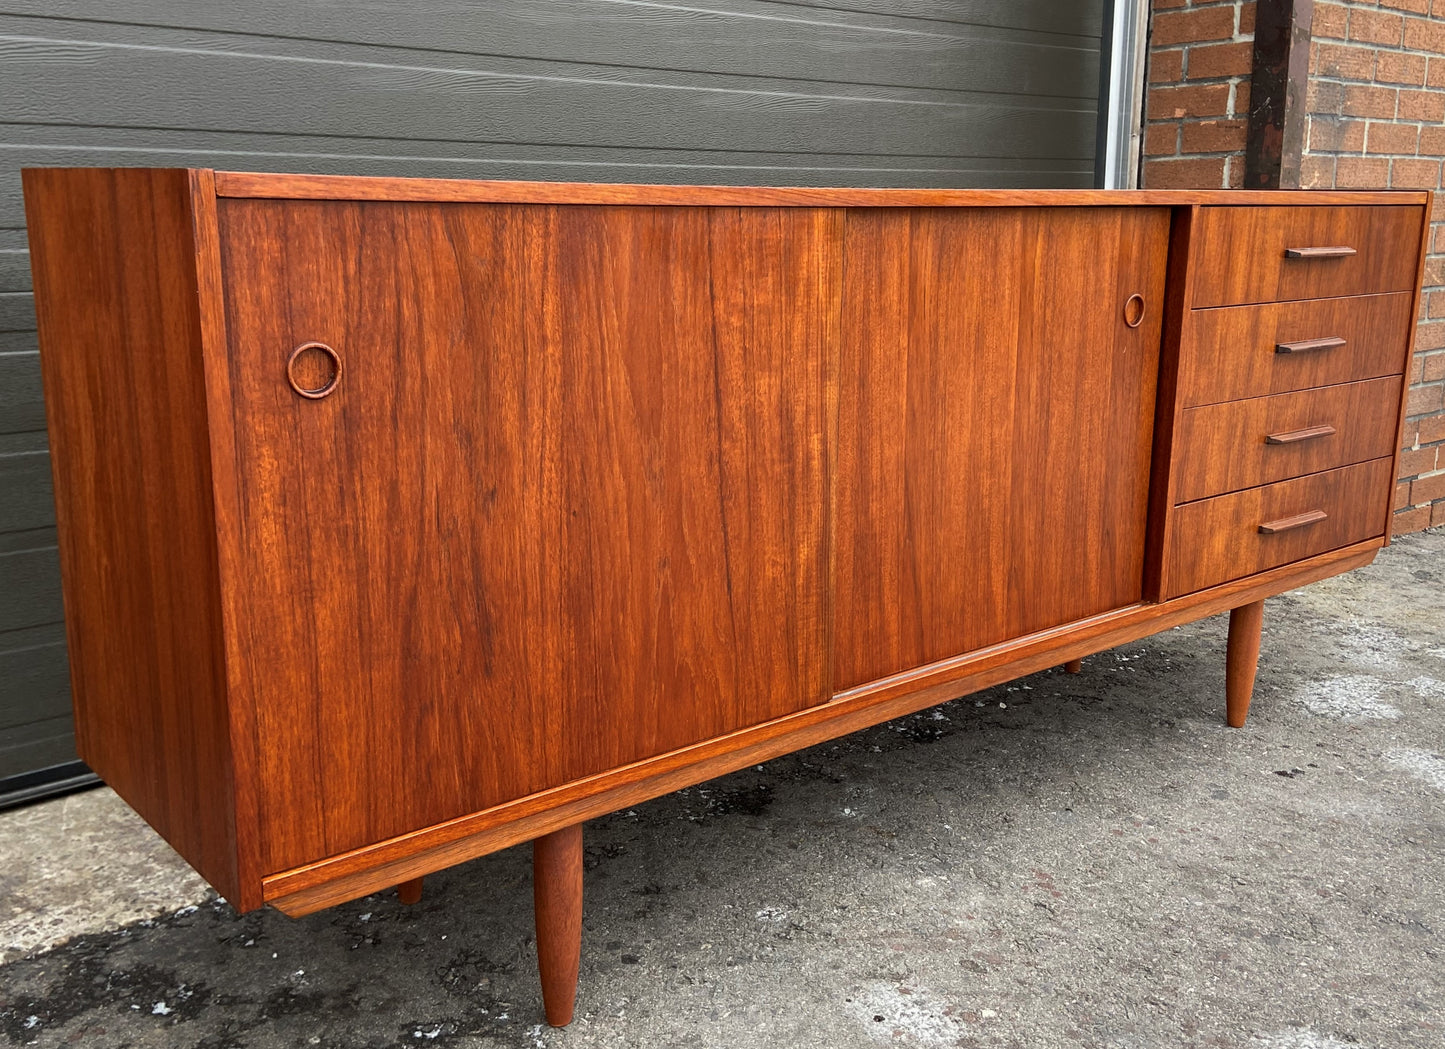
<point x="313" y="370"/>
<point x="1134" y="310"/>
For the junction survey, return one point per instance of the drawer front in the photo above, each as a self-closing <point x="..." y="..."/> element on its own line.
<point x="1235" y="352"/>
<point x="1215" y="540"/>
<point x="1240" y="444"/>
<point x="1242" y="254"/>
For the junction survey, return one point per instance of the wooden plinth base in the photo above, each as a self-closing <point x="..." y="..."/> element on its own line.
<point x="557" y="898"/>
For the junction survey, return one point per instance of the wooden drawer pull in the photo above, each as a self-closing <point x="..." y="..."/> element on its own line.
<point x="1309" y="433"/>
<point x="1338" y="251"/>
<point x="1285" y="524"/>
<point x="1134" y="310"/>
<point x="1305" y="345"/>
<point x="313" y="370"/>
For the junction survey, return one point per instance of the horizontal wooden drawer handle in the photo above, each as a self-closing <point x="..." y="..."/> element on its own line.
<point x="1284" y="524"/>
<point x="1309" y="433"/>
<point x="1305" y="345"/>
<point x="1336" y="251"/>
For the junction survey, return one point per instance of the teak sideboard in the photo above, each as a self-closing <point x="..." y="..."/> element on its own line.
<point x="406" y="520"/>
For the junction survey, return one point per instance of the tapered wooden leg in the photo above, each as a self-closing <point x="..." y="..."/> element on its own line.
<point x="557" y="897"/>
<point x="1073" y="666"/>
<point x="409" y="892"/>
<point x="1240" y="661"/>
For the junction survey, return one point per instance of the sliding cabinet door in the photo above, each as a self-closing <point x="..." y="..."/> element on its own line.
<point x="996" y="409"/>
<point x="563" y="510"/>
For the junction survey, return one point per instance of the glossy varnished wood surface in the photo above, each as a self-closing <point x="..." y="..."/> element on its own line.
<point x="621" y="410"/>
<point x="1224" y="447"/>
<point x="1229" y="353"/>
<point x="631" y="410"/>
<point x="1178" y="289"/>
<point x="557" y="908"/>
<point x="316" y="886"/>
<point x="1217" y="540"/>
<point x="1417" y="298"/>
<point x="990" y="391"/>
<point x="116" y="283"/>
<point x="1241" y="659"/>
<point x="351" y="187"/>
<point x="1239" y="253"/>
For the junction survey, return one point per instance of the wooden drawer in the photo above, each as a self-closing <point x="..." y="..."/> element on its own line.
<point x="1233" y="352"/>
<point x="1242" y="254"/>
<point x="1215" y="540"/>
<point x="1240" y="444"/>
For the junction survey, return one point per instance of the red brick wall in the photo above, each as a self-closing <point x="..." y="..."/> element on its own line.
<point x="1198" y="93"/>
<point x="1375" y="120"/>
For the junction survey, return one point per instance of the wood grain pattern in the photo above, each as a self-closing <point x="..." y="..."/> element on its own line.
<point x="226" y="487"/>
<point x="316" y="886"/>
<point x="1240" y="661"/>
<point x="1230" y="353"/>
<point x="1225" y="447"/>
<point x="1240" y="253"/>
<point x="1416" y="298"/>
<point x="348" y="187"/>
<point x="1293" y="521"/>
<point x="565" y="535"/>
<point x="1216" y="540"/>
<point x="116" y="286"/>
<point x="990" y="390"/>
<point x="622" y="407"/>
<point x="557" y="905"/>
<point x="1179" y="287"/>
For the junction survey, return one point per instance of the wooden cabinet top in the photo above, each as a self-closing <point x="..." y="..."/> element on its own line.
<point x="347" y="187"/>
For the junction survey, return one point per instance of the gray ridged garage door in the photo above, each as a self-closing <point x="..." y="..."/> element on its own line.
<point x="855" y="92"/>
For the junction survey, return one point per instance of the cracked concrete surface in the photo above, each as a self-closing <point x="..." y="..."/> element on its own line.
<point x="1089" y="860"/>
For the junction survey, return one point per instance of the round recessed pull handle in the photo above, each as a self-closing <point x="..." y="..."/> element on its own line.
<point x="313" y="370"/>
<point x="1134" y="310"/>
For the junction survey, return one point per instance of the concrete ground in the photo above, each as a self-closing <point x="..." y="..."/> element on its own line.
<point x="1064" y="861"/>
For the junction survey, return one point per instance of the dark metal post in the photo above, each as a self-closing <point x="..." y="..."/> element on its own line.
<point x="1275" y="139"/>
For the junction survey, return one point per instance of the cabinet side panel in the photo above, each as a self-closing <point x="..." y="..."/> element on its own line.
<point x="115" y="293"/>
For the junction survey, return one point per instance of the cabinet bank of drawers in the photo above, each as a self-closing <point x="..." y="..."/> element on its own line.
<point x="1285" y="408"/>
